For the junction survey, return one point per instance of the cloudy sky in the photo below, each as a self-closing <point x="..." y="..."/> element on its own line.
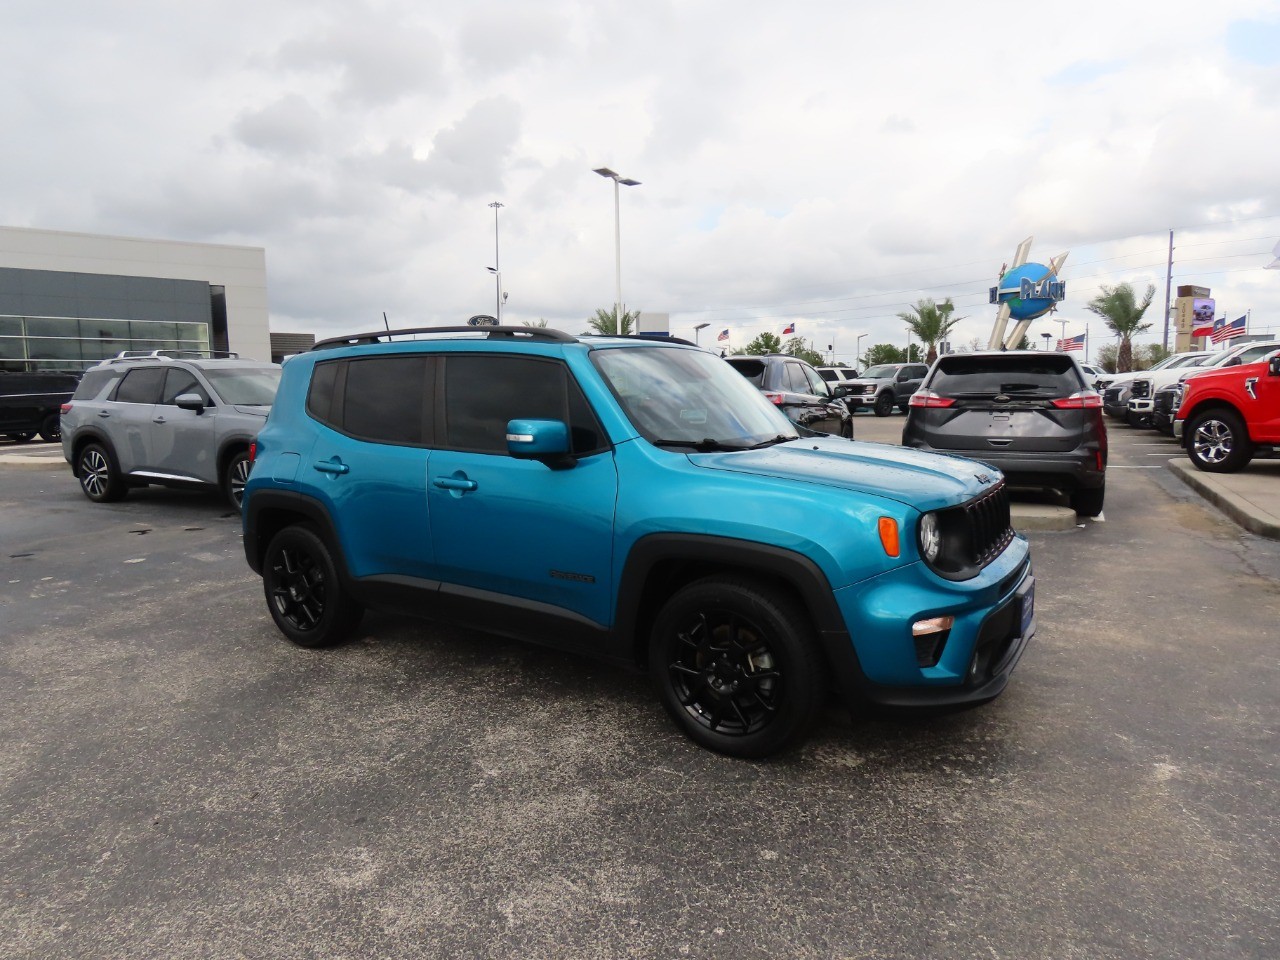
<point x="826" y="163"/>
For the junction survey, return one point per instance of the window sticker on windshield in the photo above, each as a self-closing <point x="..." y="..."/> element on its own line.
<point x="693" y="416"/>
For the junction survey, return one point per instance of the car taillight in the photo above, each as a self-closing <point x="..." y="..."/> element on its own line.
<point x="775" y="398"/>
<point x="1084" y="400"/>
<point x="927" y="398"/>
<point x="253" y="451"/>
<point x="65" y="408"/>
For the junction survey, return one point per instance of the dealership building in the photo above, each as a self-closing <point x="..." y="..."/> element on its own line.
<point x="69" y="300"/>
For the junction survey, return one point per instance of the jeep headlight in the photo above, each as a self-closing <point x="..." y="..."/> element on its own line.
<point x="930" y="538"/>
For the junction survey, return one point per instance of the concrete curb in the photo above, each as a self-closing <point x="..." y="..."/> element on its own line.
<point x="1238" y="508"/>
<point x="1042" y="517"/>
<point x="50" y="458"/>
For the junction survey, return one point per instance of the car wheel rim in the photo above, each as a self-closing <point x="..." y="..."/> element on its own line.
<point x="725" y="675"/>
<point x="298" y="588"/>
<point x="239" y="475"/>
<point x="93" y="473"/>
<point x="1212" y="441"/>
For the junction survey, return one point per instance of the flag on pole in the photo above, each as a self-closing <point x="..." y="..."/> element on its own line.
<point x="724" y="335"/>
<point x="1228" y="331"/>
<point x="1274" y="264"/>
<point x="1202" y="330"/>
<point x="790" y="328"/>
<point x="1071" y="343"/>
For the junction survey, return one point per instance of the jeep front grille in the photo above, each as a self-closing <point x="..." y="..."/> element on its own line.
<point x="990" y="527"/>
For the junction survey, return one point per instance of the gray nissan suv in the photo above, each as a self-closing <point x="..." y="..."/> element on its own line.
<point x="176" y="420"/>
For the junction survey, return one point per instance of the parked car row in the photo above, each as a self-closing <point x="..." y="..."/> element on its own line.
<point x="1222" y="407"/>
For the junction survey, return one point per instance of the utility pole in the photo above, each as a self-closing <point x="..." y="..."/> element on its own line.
<point x="1168" y="283"/>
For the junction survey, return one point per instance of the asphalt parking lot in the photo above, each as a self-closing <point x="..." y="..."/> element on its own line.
<point x="179" y="781"/>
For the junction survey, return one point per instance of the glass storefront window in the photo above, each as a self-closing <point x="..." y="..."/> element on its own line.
<point x="62" y="343"/>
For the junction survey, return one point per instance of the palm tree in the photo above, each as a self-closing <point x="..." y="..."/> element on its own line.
<point x="931" y="322"/>
<point x="1118" y="306"/>
<point x="606" y="321"/>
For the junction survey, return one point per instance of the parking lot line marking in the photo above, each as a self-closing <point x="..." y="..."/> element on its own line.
<point x="1131" y="466"/>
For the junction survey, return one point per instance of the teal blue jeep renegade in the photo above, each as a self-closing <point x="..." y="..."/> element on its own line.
<point x="638" y="500"/>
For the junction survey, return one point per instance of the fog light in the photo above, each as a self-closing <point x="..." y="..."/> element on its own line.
<point x="933" y="625"/>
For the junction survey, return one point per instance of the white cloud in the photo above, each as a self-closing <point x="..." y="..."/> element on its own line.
<point x="818" y="161"/>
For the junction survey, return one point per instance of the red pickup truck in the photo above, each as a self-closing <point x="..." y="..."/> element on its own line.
<point x="1226" y="416"/>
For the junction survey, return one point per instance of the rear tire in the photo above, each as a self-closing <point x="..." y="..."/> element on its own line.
<point x="51" y="428"/>
<point x="1217" y="442"/>
<point x="23" y="437"/>
<point x="234" y="477"/>
<point x="304" y="592"/>
<point x="99" y="476"/>
<point x="884" y="404"/>
<point x="1087" y="502"/>
<point x="736" y="666"/>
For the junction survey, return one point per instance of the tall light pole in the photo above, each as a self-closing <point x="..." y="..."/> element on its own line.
<point x="496" y="269"/>
<point x="857" y="350"/>
<point x="697" y="328"/>
<point x="617" y="232"/>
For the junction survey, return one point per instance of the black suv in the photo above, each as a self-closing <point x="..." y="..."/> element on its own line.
<point x="1030" y="413"/>
<point x="30" y="404"/>
<point x="799" y="391"/>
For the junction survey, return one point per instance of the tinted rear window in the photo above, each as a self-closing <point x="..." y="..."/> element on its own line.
<point x="753" y="370"/>
<point x="92" y="383"/>
<point x="1054" y="374"/>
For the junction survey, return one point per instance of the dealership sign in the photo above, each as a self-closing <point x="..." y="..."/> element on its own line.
<point x="1029" y="291"/>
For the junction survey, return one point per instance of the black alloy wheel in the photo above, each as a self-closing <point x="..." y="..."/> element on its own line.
<point x="736" y="666"/>
<point x="303" y="591"/>
<point x="234" y="478"/>
<point x="99" y="478"/>
<point x="1217" y="441"/>
<point x="884" y="404"/>
<point x="51" y="428"/>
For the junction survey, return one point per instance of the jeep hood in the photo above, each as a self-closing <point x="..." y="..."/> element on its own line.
<point x="925" y="481"/>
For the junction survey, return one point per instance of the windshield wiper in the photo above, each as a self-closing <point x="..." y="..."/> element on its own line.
<point x="770" y="442"/>
<point x="709" y="445"/>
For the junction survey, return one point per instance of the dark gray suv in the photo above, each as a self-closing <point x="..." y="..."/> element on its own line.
<point x="1030" y="413"/>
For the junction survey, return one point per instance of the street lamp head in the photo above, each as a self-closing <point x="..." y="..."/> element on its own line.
<point x="701" y="326"/>
<point x="496" y="205"/>
<point x="605" y="172"/>
<point x="616" y="177"/>
<point x="492" y="269"/>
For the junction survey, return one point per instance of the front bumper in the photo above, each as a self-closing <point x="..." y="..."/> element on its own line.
<point x="1141" y="407"/>
<point x="994" y="620"/>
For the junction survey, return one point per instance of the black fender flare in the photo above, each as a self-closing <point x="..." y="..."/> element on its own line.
<point x="644" y="587"/>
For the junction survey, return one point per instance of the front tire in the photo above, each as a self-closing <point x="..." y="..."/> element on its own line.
<point x="735" y="665"/>
<point x="884" y="404"/>
<point x="99" y="476"/>
<point x="234" y="477"/>
<point x="304" y="592"/>
<point x="1217" y="442"/>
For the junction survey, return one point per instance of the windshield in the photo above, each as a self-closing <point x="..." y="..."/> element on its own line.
<point x="248" y="386"/>
<point x="690" y="398"/>
<point x="884" y="371"/>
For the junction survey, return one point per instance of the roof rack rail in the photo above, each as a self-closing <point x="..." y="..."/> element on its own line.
<point x="124" y="355"/>
<point x="655" y="337"/>
<point x="491" y="333"/>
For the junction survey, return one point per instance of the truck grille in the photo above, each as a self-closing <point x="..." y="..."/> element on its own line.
<point x="1141" y="389"/>
<point x="1112" y="397"/>
<point x="1163" y="402"/>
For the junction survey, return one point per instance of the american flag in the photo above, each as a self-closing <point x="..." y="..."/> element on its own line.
<point x="1228" y="331"/>
<point x="1071" y="343"/>
<point x="724" y="335"/>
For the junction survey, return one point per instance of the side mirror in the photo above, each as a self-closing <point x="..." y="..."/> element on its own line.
<point x="839" y="392"/>
<point x="190" y="401"/>
<point x="1273" y="367"/>
<point x="1233" y="362"/>
<point x="544" y="440"/>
